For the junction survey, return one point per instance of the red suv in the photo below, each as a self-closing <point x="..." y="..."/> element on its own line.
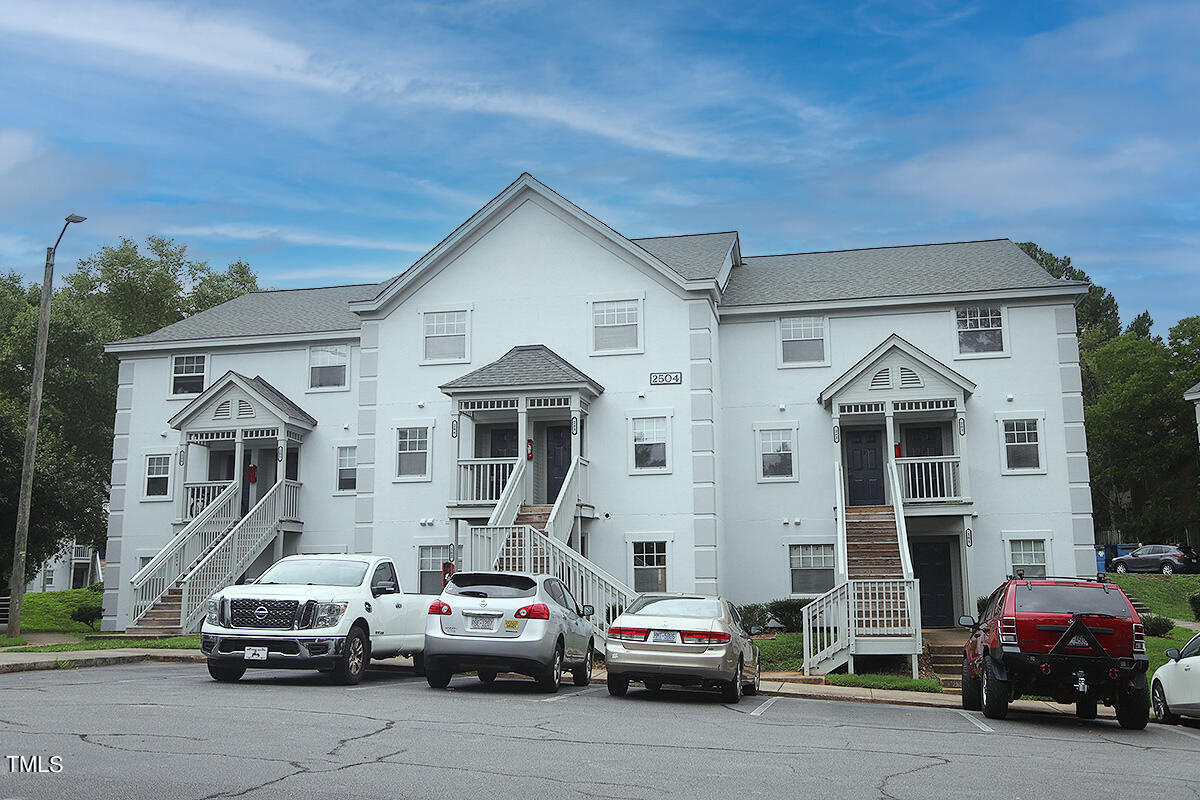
<point x="1073" y="639"/>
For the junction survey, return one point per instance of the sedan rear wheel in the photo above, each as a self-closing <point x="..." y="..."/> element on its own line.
<point x="617" y="685"/>
<point x="550" y="680"/>
<point x="750" y="689"/>
<point x="731" y="692"/>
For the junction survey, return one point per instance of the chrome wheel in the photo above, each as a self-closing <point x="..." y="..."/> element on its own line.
<point x="354" y="661"/>
<point x="1122" y="569"/>
<point x="1168" y="568"/>
<point x="1162" y="711"/>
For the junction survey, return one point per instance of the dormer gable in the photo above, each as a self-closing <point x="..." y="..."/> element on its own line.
<point x="899" y="370"/>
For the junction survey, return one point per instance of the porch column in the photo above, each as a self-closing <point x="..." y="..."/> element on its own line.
<point x="181" y="476"/>
<point x="889" y="453"/>
<point x="281" y="457"/>
<point x="457" y="434"/>
<point x="576" y="426"/>
<point x="960" y="433"/>
<point x="522" y="437"/>
<point x="239" y="451"/>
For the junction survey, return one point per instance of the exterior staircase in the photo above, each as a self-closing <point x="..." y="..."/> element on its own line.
<point x="4" y="606"/>
<point x="163" y="617"/>
<point x="534" y="516"/>
<point x="1141" y="608"/>
<point x="947" y="664"/>
<point x="872" y="546"/>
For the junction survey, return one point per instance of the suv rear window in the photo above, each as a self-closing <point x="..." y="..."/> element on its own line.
<point x="491" y="585"/>
<point x="1048" y="598"/>
<point x="699" y="607"/>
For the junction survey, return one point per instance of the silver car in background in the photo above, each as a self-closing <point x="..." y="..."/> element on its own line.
<point x="682" y="639"/>
<point x="492" y="622"/>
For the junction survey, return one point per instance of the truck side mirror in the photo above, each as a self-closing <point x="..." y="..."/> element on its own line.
<point x="966" y="621"/>
<point x="383" y="587"/>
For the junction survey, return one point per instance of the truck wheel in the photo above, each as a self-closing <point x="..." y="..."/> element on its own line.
<point x="1162" y="711"/>
<point x="350" y="667"/>
<point x="618" y="685"/>
<point x="583" y="673"/>
<point x="551" y="678"/>
<point x="1085" y="708"/>
<point x="970" y="690"/>
<point x="225" y="673"/>
<point x="994" y="693"/>
<point x="438" y="678"/>
<point x="731" y="692"/>
<point x="1133" y="705"/>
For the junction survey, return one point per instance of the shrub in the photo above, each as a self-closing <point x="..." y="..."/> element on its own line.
<point x="980" y="604"/>
<point x="1194" y="602"/>
<point x="98" y="588"/>
<point x="754" y="615"/>
<point x="1156" y="625"/>
<point x="88" y="615"/>
<point x="789" y="613"/>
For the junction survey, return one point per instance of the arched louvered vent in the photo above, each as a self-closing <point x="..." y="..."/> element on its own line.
<point x="222" y="411"/>
<point x="882" y="379"/>
<point x="910" y="379"/>
<point x="245" y="409"/>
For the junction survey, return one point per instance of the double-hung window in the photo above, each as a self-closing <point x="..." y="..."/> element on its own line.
<point x="811" y="567"/>
<point x="347" y="468"/>
<point x="1029" y="557"/>
<point x="1023" y="445"/>
<point x="327" y="366"/>
<point x="187" y="374"/>
<point x="412" y="453"/>
<point x="802" y="342"/>
<point x="158" y="476"/>
<point x="649" y="566"/>
<point x="429" y="566"/>
<point x="980" y="330"/>
<point x="446" y="336"/>
<point x="651" y="444"/>
<point x="776" y="448"/>
<point x="616" y="326"/>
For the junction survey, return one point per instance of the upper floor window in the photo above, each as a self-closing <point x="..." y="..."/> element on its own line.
<point x="158" y="475"/>
<point x="347" y="469"/>
<point x="980" y="329"/>
<point x="616" y="326"/>
<point x="1024" y="449"/>
<point x="446" y="336"/>
<point x="775" y="449"/>
<point x="651" y="444"/>
<point x="802" y="342"/>
<point x="187" y="374"/>
<point x="412" y="453"/>
<point x="327" y="366"/>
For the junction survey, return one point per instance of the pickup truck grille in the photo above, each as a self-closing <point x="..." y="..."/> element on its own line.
<point x="246" y="613"/>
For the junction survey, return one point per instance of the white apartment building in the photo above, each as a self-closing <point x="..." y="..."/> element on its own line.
<point x="887" y="431"/>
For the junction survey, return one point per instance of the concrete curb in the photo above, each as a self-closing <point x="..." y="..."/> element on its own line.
<point x="78" y="659"/>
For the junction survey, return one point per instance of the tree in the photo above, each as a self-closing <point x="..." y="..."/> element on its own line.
<point x="1141" y="326"/>
<point x="118" y="292"/>
<point x="1098" y="311"/>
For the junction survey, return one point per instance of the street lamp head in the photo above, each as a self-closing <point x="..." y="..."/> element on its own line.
<point x="75" y="218"/>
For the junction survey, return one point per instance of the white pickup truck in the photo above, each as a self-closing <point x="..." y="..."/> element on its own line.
<point x="332" y="613"/>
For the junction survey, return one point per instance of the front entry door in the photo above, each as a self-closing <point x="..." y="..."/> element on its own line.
<point x="504" y="443"/>
<point x="558" y="459"/>
<point x="864" y="467"/>
<point x="931" y="566"/>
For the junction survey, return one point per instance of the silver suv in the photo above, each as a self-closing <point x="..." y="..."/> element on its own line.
<point x="492" y="622"/>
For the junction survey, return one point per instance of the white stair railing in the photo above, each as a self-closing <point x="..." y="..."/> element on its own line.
<point x="525" y="549"/>
<point x="827" y="629"/>
<point x="901" y="525"/>
<point x="562" y="516"/>
<point x="197" y="496"/>
<point x="172" y="562"/>
<point x="509" y="503"/>
<point x="229" y="559"/>
<point x="930" y="479"/>
<point x="841" y="551"/>
<point x="482" y="480"/>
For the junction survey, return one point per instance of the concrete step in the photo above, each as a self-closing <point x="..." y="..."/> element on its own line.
<point x="946" y="649"/>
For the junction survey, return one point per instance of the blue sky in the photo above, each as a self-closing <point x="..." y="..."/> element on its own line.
<point x="334" y="142"/>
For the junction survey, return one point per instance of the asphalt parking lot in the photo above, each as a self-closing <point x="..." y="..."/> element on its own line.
<point x="168" y="731"/>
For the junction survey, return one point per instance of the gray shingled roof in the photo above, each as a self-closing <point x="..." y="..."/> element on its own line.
<point x="282" y="400"/>
<point x="268" y="313"/>
<point x="1192" y="391"/>
<point x="525" y="365"/>
<point x="886" y="272"/>
<point x="696" y="256"/>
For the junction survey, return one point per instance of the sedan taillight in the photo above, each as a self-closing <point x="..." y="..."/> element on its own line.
<point x="704" y="637"/>
<point x="438" y="607"/>
<point x="629" y="634"/>
<point x="535" y="611"/>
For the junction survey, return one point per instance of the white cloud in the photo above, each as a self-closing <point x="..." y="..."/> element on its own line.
<point x="277" y="233"/>
<point x="17" y="147"/>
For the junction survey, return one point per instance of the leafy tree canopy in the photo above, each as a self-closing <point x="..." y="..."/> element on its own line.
<point x="1097" y="313"/>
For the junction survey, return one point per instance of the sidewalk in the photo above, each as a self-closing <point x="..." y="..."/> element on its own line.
<point x="22" y="662"/>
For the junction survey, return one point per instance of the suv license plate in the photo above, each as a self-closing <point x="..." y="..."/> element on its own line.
<point x="663" y="636"/>
<point x="480" y="624"/>
<point x="1078" y="641"/>
<point x="256" y="654"/>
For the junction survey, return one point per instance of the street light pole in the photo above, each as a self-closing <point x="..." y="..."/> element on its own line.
<point x="16" y="582"/>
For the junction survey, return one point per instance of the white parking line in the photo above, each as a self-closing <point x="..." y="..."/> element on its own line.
<point x="758" y="711"/>
<point x="1185" y="733"/>
<point x="565" y="696"/>
<point x="975" y="722"/>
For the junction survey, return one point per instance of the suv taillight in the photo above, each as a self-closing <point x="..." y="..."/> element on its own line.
<point x="1139" y="638"/>
<point x="535" y="611"/>
<point x="704" y="637"/>
<point x="629" y="634"/>
<point x="1008" y="630"/>
<point x="438" y="607"/>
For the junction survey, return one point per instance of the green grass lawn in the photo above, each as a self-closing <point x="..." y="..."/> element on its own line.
<point x="173" y="643"/>
<point x="1163" y="594"/>
<point x="51" y="611"/>
<point x="784" y="652"/>
<point x="10" y="641"/>
<point x="901" y="682"/>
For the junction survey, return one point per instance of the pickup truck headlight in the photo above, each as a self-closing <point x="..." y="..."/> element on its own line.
<point x="328" y="614"/>
<point x="213" y="616"/>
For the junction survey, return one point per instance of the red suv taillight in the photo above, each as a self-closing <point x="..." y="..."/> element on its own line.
<point x="1008" y="630"/>
<point x="629" y="634"/>
<point x="438" y="607"/>
<point x="535" y="611"/>
<point x="704" y="637"/>
<point x="1139" y="638"/>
